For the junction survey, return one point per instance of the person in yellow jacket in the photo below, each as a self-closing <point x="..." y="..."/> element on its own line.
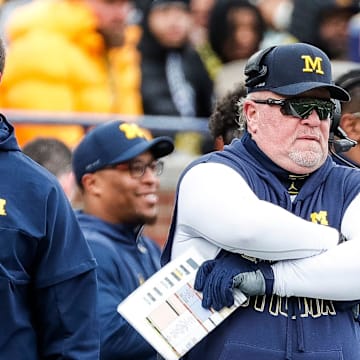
<point x="71" y="56"/>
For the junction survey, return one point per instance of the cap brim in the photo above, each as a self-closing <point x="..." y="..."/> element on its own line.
<point x="336" y="92"/>
<point x="159" y="147"/>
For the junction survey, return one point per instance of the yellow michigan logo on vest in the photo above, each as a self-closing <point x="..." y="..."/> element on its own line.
<point x="2" y="207"/>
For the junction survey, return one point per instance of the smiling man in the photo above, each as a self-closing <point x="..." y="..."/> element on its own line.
<point x="117" y="169"/>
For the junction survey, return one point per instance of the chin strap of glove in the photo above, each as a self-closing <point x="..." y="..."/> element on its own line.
<point x="217" y="278"/>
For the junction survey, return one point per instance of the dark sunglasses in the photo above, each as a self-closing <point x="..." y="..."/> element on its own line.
<point x="302" y="107"/>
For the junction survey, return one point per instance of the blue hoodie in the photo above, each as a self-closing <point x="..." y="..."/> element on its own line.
<point x="47" y="271"/>
<point x="125" y="260"/>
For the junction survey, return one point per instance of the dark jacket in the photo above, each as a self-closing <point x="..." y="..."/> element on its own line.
<point x="126" y="259"/>
<point x="156" y="93"/>
<point x="48" y="286"/>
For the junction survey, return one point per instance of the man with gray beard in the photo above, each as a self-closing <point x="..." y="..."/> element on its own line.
<point x="275" y="217"/>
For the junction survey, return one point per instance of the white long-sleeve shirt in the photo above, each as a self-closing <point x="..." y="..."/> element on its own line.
<point x="218" y="210"/>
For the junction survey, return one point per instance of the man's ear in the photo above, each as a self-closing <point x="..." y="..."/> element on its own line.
<point x="350" y="124"/>
<point x="90" y="183"/>
<point x="251" y="116"/>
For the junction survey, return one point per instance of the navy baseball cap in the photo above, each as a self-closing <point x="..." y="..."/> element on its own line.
<point x="290" y="70"/>
<point x="115" y="142"/>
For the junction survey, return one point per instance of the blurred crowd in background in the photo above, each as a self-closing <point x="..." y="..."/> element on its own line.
<point x="153" y="57"/>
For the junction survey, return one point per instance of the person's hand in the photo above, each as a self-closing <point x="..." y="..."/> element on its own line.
<point x="217" y="278"/>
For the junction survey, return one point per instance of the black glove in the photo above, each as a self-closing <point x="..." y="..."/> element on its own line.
<point x="217" y="278"/>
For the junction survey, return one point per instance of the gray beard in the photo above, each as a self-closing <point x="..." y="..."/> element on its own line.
<point x="306" y="159"/>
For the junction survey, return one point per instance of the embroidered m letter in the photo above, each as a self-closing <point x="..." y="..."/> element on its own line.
<point x="320" y="218"/>
<point x="132" y="131"/>
<point x="311" y="65"/>
<point x="2" y="207"/>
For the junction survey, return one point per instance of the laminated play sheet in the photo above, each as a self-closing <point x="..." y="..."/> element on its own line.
<point x="166" y="310"/>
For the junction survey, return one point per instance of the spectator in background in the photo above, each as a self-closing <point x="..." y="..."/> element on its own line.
<point x="354" y="38"/>
<point x="71" y="56"/>
<point x="174" y="79"/>
<point x="55" y="156"/>
<point x="236" y="30"/>
<point x="239" y="28"/>
<point x="117" y="170"/>
<point x="226" y="121"/>
<point x="276" y="13"/>
<point x="199" y="36"/>
<point x="277" y="16"/>
<point x="324" y="23"/>
<point x="200" y="11"/>
<point x="48" y="285"/>
<point x="350" y="116"/>
<point x="332" y="30"/>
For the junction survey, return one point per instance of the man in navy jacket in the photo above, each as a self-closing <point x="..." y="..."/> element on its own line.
<point x="117" y="169"/>
<point x="48" y="286"/>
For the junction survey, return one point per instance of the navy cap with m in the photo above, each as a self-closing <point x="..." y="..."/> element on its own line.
<point x="290" y="70"/>
<point x="115" y="142"/>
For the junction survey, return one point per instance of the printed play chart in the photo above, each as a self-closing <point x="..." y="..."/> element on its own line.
<point x="166" y="310"/>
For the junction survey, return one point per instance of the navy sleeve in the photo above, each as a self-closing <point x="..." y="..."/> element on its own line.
<point x="63" y="252"/>
<point x="65" y="286"/>
<point x="67" y="320"/>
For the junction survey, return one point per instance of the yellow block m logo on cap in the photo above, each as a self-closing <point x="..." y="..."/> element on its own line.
<point x="132" y="131"/>
<point x="311" y="65"/>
